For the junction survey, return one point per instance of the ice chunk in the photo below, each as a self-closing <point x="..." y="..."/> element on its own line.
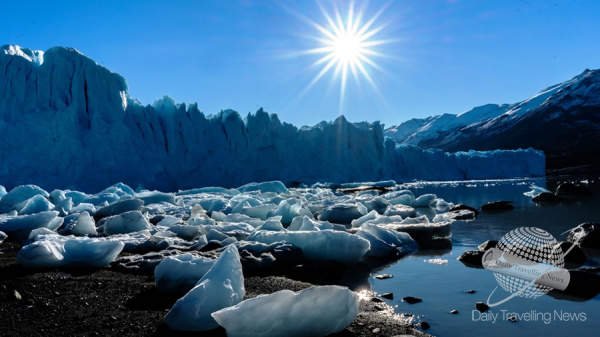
<point x="424" y="233"/>
<point x="20" y="226"/>
<point x="198" y="220"/>
<point x="372" y="215"/>
<point x="316" y="311"/>
<point x="271" y="225"/>
<point x="186" y="232"/>
<point x="425" y="200"/>
<point x="169" y="220"/>
<point x="2" y="191"/>
<point x="120" y="189"/>
<point x="19" y="194"/>
<point x="3" y="235"/>
<point x="238" y="229"/>
<point x="84" y="207"/>
<point x="76" y="196"/>
<point x="535" y="190"/>
<point x="289" y="209"/>
<point x="155" y="197"/>
<point x="119" y="207"/>
<point x="377" y="204"/>
<point x="343" y="213"/>
<point x="441" y="206"/>
<point x="37" y="203"/>
<point x="39" y="231"/>
<point x="64" y="206"/>
<point x="319" y="245"/>
<point x="221" y="287"/>
<point x="101" y="198"/>
<point x="439" y="262"/>
<point x="127" y="222"/>
<point x="69" y="251"/>
<point x="305" y="223"/>
<point x="387" y="242"/>
<point x="85" y="225"/>
<point x="401" y="210"/>
<point x="260" y="211"/>
<point x="267" y="186"/>
<point x="179" y="274"/>
<point x="404" y="197"/>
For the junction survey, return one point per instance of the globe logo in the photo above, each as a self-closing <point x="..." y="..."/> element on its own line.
<point x="536" y="246"/>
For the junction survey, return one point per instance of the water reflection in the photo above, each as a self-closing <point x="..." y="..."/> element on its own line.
<point x="442" y="286"/>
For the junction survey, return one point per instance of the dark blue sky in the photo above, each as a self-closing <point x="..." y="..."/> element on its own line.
<point x="439" y="56"/>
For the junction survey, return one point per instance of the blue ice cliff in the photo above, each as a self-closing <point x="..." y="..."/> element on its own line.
<point x="66" y="121"/>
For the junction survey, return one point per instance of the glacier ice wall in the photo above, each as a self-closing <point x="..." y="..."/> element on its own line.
<point x="66" y="121"/>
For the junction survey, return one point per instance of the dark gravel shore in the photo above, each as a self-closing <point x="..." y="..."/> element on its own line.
<point x="105" y="302"/>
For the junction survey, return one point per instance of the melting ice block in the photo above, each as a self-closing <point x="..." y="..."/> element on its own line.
<point x="424" y="233"/>
<point x="119" y="207"/>
<point x="19" y="194"/>
<point x="343" y="213"/>
<point x="316" y="311"/>
<point x="179" y="274"/>
<point x="68" y="251"/>
<point x="127" y="222"/>
<point x="387" y="242"/>
<point x="319" y="245"/>
<point x="425" y="200"/>
<point x="20" y="226"/>
<point x="84" y="226"/>
<point x="221" y="287"/>
<point x="37" y="203"/>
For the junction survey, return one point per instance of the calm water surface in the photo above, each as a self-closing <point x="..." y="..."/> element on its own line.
<point x="442" y="287"/>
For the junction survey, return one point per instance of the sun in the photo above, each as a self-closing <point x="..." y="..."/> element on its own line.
<point x="348" y="47"/>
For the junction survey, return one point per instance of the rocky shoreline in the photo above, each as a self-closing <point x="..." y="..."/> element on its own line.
<point x="105" y="302"/>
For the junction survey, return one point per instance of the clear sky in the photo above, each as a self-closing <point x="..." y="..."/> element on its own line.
<point x="431" y="57"/>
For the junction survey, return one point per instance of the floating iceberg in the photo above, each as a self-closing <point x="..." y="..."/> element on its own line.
<point x="221" y="287"/>
<point x="343" y="213"/>
<point x="387" y="242"/>
<point x="423" y="232"/>
<point x="316" y="311"/>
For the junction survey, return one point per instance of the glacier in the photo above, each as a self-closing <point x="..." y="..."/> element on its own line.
<point x="66" y="121"/>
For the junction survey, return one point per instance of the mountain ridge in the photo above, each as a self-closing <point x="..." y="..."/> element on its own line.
<point x="562" y="120"/>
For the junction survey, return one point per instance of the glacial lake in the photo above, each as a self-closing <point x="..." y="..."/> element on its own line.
<point x="443" y="287"/>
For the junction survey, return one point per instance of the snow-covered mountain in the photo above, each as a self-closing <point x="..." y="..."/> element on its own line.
<point x="562" y="120"/>
<point x="67" y="121"/>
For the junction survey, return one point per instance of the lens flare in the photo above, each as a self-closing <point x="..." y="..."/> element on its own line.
<point x="348" y="46"/>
